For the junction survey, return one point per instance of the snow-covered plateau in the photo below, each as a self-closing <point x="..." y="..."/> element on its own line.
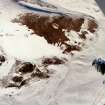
<point x="48" y="61"/>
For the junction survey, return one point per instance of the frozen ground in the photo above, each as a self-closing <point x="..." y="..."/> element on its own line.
<point x="74" y="83"/>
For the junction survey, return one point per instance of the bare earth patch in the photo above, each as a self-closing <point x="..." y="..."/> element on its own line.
<point x="52" y="61"/>
<point x="55" y="27"/>
<point x="24" y="72"/>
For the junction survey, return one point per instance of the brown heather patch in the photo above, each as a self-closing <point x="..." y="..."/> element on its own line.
<point x="51" y="27"/>
<point x="70" y="48"/>
<point x="54" y="61"/>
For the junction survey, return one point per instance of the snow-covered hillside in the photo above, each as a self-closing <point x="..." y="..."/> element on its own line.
<point x="65" y="78"/>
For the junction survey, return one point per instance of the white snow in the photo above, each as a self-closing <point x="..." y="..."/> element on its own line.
<point x="74" y="83"/>
<point x="6" y="67"/>
<point x="73" y="37"/>
<point x="6" y="30"/>
<point x="29" y="48"/>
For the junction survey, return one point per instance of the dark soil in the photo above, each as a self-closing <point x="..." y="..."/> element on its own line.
<point x="70" y="48"/>
<point x="2" y="58"/>
<point x="17" y="78"/>
<point x="11" y="85"/>
<point x="25" y="67"/>
<point x="54" y="61"/>
<point x="19" y="85"/>
<point x="52" y="27"/>
<point x="24" y="82"/>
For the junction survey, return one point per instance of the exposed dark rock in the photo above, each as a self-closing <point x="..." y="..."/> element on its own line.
<point x="54" y="60"/>
<point x="11" y="85"/>
<point x="17" y="85"/>
<point x="72" y="48"/>
<point x="39" y="74"/>
<point x="17" y="78"/>
<point x="24" y="82"/>
<point x="2" y="58"/>
<point x="26" y="67"/>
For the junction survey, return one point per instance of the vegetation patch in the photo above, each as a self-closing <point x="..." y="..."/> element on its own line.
<point x="54" y="28"/>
